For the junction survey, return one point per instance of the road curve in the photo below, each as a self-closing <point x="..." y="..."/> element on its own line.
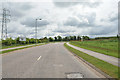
<point x="47" y="61"/>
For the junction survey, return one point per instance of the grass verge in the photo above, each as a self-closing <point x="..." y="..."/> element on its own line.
<point x="17" y="45"/>
<point x="6" y="51"/>
<point x="109" y="69"/>
<point x="107" y="47"/>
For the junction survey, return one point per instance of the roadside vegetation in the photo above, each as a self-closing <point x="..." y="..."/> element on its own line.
<point x="103" y="66"/>
<point x="6" y="51"/>
<point x="104" y="46"/>
<point x="9" y="42"/>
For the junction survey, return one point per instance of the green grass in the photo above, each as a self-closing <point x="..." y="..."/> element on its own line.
<point x="6" y="51"/>
<point x="15" y="45"/>
<point x="107" y="47"/>
<point x="103" y="66"/>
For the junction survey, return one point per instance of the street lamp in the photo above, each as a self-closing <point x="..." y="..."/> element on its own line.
<point x="36" y="29"/>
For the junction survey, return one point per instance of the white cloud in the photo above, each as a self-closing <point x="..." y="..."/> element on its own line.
<point x="91" y="17"/>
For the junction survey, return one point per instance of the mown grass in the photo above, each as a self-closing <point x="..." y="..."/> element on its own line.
<point x="107" y="47"/>
<point x="6" y="51"/>
<point x="103" y="66"/>
<point x="15" y="45"/>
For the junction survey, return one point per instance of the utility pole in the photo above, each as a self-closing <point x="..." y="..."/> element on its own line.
<point x="5" y="19"/>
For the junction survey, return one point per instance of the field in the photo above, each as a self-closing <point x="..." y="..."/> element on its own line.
<point x="106" y="46"/>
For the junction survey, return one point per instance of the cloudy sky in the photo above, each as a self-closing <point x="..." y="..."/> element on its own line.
<point x="64" y="18"/>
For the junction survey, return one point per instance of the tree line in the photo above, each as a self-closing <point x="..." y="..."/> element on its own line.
<point x="68" y="38"/>
<point x="10" y="41"/>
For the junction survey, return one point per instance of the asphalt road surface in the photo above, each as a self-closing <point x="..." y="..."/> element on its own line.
<point x="47" y="61"/>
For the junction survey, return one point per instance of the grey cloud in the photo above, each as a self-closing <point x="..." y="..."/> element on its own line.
<point x="67" y="34"/>
<point x="72" y="21"/>
<point x="102" y="30"/>
<point x="114" y="18"/>
<point x="26" y="6"/>
<point x="16" y="14"/>
<point x="63" y="30"/>
<point x="30" y="22"/>
<point x="65" y="4"/>
<point x="110" y="19"/>
<point x="21" y="6"/>
<point x="70" y="3"/>
<point x="18" y="9"/>
<point x="51" y="34"/>
<point x="96" y="29"/>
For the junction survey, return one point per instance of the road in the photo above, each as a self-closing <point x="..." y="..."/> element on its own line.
<point x="109" y="59"/>
<point x="46" y="61"/>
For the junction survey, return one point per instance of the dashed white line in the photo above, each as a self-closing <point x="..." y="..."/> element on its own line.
<point x="39" y="58"/>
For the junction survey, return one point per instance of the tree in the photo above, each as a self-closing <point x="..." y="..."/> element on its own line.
<point x="55" y="38"/>
<point x="78" y="38"/>
<point x="32" y="40"/>
<point x="51" y="39"/>
<point x="45" y="39"/>
<point x="39" y="41"/>
<point x="86" y="38"/>
<point x="27" y="40"/>
<point x="74" y="37"/>
<point x="17" y="40"/>
<point x="71" y="38"/>
<point x="4" y="42"/>
<point x="7" y="42"/>
<point x="117" y="36"/>
<point x="66" y="39"/>
<point x="59" y="38"/>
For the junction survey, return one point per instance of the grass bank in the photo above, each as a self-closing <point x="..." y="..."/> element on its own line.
<point x="103" y="66"/>
<point x="15" y="45"/>
<point x="107" y="47"/>
<point x="6" y="51"/>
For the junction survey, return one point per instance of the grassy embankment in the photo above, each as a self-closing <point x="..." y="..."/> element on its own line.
<point x="103" y="66"/>
<point x="107" y="47"/>
<point x="15" y="45"/>
<point x="6" y="51"/>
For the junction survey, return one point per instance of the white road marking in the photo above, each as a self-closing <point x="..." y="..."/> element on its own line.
<point x="39" y="58"/>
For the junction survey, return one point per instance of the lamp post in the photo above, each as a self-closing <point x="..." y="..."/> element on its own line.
<point x="36" y="29"/>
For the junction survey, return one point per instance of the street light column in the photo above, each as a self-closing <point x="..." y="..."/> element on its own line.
<point x="36" y="31"/>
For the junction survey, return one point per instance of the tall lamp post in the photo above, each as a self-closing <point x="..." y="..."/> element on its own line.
<point x="36" y="29"/>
